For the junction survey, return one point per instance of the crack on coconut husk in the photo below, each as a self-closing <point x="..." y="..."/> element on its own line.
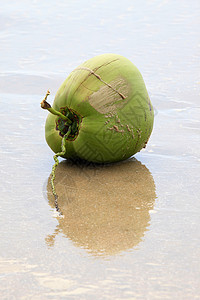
<point x="109" y="100"/>
<point x="99" y="77"/>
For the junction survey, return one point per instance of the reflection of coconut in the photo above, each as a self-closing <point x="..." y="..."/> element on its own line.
<point x="105" y="207"/>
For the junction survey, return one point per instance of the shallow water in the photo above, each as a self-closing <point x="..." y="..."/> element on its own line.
<point x="143" y="241"/>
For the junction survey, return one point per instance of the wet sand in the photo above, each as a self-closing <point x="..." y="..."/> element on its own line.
<point x="129" y="230"/>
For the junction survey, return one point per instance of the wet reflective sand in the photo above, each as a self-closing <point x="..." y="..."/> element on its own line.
<point x="105" y="208"/>
<point x="129" y="230"/>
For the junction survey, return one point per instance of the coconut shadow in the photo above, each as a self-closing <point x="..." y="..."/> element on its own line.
<point x="105" y="207"/>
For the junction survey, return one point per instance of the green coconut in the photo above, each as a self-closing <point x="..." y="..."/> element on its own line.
<point x="101" y="113"/>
